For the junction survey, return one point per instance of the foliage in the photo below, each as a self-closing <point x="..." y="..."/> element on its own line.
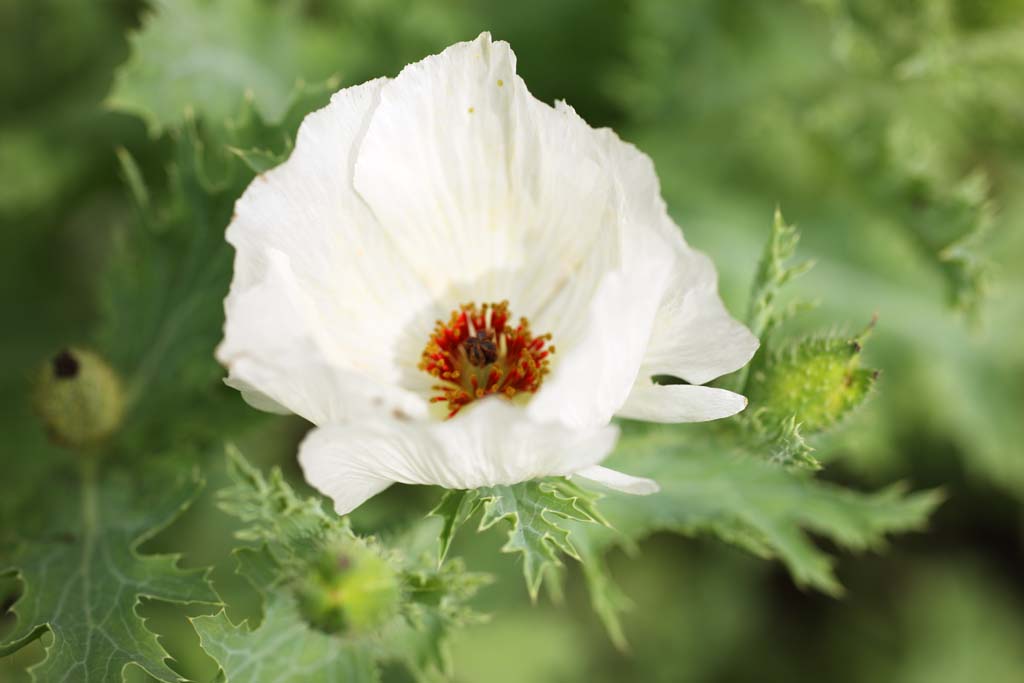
<point x="890" y="131"/>
<point x="534" y="511"/>
<point x="802" y="386"/>
<point x="750" y="503"/>
<point x="774" y="272"/>
<point x="83" y="580"/>
<point x="742" y="500"/>
<point x="283" y="648"/>
<point x="235" y="52"/>
<point x="299" y="542"/>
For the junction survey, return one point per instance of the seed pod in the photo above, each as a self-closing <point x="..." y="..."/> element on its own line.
<point x="79" y="398"/>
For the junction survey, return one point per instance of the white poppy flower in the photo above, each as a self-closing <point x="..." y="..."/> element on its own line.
<point x="406" y="198"/>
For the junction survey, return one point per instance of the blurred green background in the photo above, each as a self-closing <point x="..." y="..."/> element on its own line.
<point x="891" y="133"/>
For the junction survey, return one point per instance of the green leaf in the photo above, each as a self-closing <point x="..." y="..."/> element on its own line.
<point x="534" y="511"/>
<point x="162" y="293"/>
<point x="161" y="299"/>
<point x="261" y="144"/>
<point x="933" y="78"/>
<point x="283" y="649"/>
<point x="83" y="581"/>
<point x="293" y="534"/>
<point x="606" y="598"/>
<point x="539" y="515"/>
<point x="773" y="273"/>
<point x="956" y="222"/>
<point x="745" y="501"/>
<point x="455" y="509"/>
<point x="199" y="58"/>
<point x="436" y="604"/>
<point x="785" y="444"/>
<point x="291" y="527"/>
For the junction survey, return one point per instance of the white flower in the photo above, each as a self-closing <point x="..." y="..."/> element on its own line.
<point x="403" y="200"/>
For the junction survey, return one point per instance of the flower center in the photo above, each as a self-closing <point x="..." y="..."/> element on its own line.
<point x="478" y="353"/>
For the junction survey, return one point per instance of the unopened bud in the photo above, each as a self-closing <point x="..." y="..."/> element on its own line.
<point x="816" y="382"/>
<point x="350" y="588"/>
<point x="79" y="398"/>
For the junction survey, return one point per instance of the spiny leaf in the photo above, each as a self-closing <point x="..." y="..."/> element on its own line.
<point x="753" y="504"/>
<point x="261" y="144"/>
<point x="162" y="293"/>
<point x="455" y="508"/>
<point x="294" y="534"/>
<point x="968" y="212"/>
<point x="161" y="301"/>
<point x="283" y="649"/>
<point x="533" y="510"/>
<point x="292" y="528"/>
<point x="773" y="273"/>
<point x="786" y="445"/>
<point x="436" y="605"/>
<point x="606" y="598"/>
<point x="83" y="582"/>
<point x="942" y="75"/>
<point x="207" y="59"/>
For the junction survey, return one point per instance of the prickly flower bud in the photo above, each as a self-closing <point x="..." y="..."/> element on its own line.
<point x="816" y="381"/>
<point x="79" y="397"/>
<point x="350" y="588"/>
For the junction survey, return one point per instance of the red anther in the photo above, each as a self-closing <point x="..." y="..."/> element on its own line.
<point x="521" y="368"/>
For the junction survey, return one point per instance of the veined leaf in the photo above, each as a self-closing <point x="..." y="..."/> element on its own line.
<point x="162" y="294"/>
<point x="773" y="273"/>
<point x="536" y="512"/>
<point x="83" y="582"/>
<point x="292" y="527"/>
<point x="455" y="509"/>
<point x="294" y="534"/>
<point x="764" y="508"/>
<point x="161" y="301"/>
<point x="283" y="649"/>
<point x="197" y="58"/>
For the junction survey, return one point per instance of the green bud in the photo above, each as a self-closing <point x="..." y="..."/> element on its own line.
<point x="814" y="382"/>
<point x="351" y="588"/>
<point x="79" y="398"/>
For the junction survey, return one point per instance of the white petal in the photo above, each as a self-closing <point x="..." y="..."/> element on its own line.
<point x="694" y="336"/>
<point x="680" y="403"/>
<point x="613" y="479"/>
<point x="354" y="279"/>
<point x="487" y="444"/>
<point x="282" y="359"/>
<point x="592" y="380"/>
<point x="490" y="194"/>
